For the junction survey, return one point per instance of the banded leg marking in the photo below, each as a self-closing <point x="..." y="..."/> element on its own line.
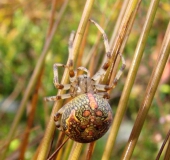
<point x="56" y="98"/>
<point x="119" y="73"/>
<point x="56" y="80"/>
<point x="72" y="74"/>
<point x="106" y="65"/>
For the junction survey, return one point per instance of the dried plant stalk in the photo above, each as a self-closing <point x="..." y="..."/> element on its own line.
<point x="132" y="74"/>
<point x="75" y="153"/>
<point x="167" y="138"/>
<point x="124" y="29"/>
<point x="167" y="153"/>
<point x="33" y="80"/>
<point x="68" y="149"/>
<point x="78" y="38"/>
<point x="90" y="150"/>
<point x="149" y="95"/>
<point x="30" y="120"/>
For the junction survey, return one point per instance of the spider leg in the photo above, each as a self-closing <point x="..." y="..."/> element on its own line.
<point x="119" y="73"/>
<point x="57" y="118"/>
<point x="72" y="74"/>
<point x="84" y="70"/>
<point x="56" y="80"/>
<point x="70" y="44"/>
<point x="106" y="65"/>
<point x="55" y="98"/>
<point x="102" y="87"/>
<point x="102" y="71"/>
<point x="104" y="95"/>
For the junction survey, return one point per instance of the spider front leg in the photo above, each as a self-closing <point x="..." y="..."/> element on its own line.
<point x="58" y="85"/>
<point x="119" y="73"/>
<point x="106" y="65"/>
<point x="72" y="74"/>
<point x="102" y="87"/>
<point x="56" y="80"/>
<point x="84" y="70"/>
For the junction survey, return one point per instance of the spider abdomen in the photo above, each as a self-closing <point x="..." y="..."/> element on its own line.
<point x="86" y="118"/>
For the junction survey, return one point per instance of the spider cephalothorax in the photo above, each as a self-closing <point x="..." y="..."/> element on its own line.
<point x="88" y="116"/>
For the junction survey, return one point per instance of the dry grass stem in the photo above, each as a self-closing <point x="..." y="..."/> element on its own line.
<point x="33" y="80"/>
<point x="90" y="150"/>
<point x="75" y="153"/>
<point x="167" y="153"/>
<point x="163" y="146"/>
<point x="132" y="74"/>
<point x="30" y="120"/>
<point x="78" y="38"/>
<point x="126" y="25"/>
<point x="149" y="95"/>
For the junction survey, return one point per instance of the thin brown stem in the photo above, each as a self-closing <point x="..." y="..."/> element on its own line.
<point x="167" y="153"/>
<point x="90" y="150"/>
<point x="57" y="150"/>
<point x="51" y="22"/>
<point x="24" y="142"/>
<point x="77" y="41"/>
<point x="163" y="145"/>
<point x="59" y="142"/>
<point x="33" y="80"/>
<point x="124" y="30"/>
<point x="149" y="95"/>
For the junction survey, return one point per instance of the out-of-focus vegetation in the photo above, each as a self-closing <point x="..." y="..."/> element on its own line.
<point x="23" y="28"/>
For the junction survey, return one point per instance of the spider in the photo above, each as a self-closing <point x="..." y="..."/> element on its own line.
<point x="88" y="116"/>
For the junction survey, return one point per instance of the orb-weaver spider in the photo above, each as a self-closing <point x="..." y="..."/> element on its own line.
<point x="88" y="116"/>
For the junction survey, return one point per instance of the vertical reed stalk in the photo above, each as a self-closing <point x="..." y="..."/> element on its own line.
<point x="149" y="95"/>
<point x="131" y="76"/>
<point x="78" y="38"/>
<point x="33" y="80"/>
<point x="124" y="29"/>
